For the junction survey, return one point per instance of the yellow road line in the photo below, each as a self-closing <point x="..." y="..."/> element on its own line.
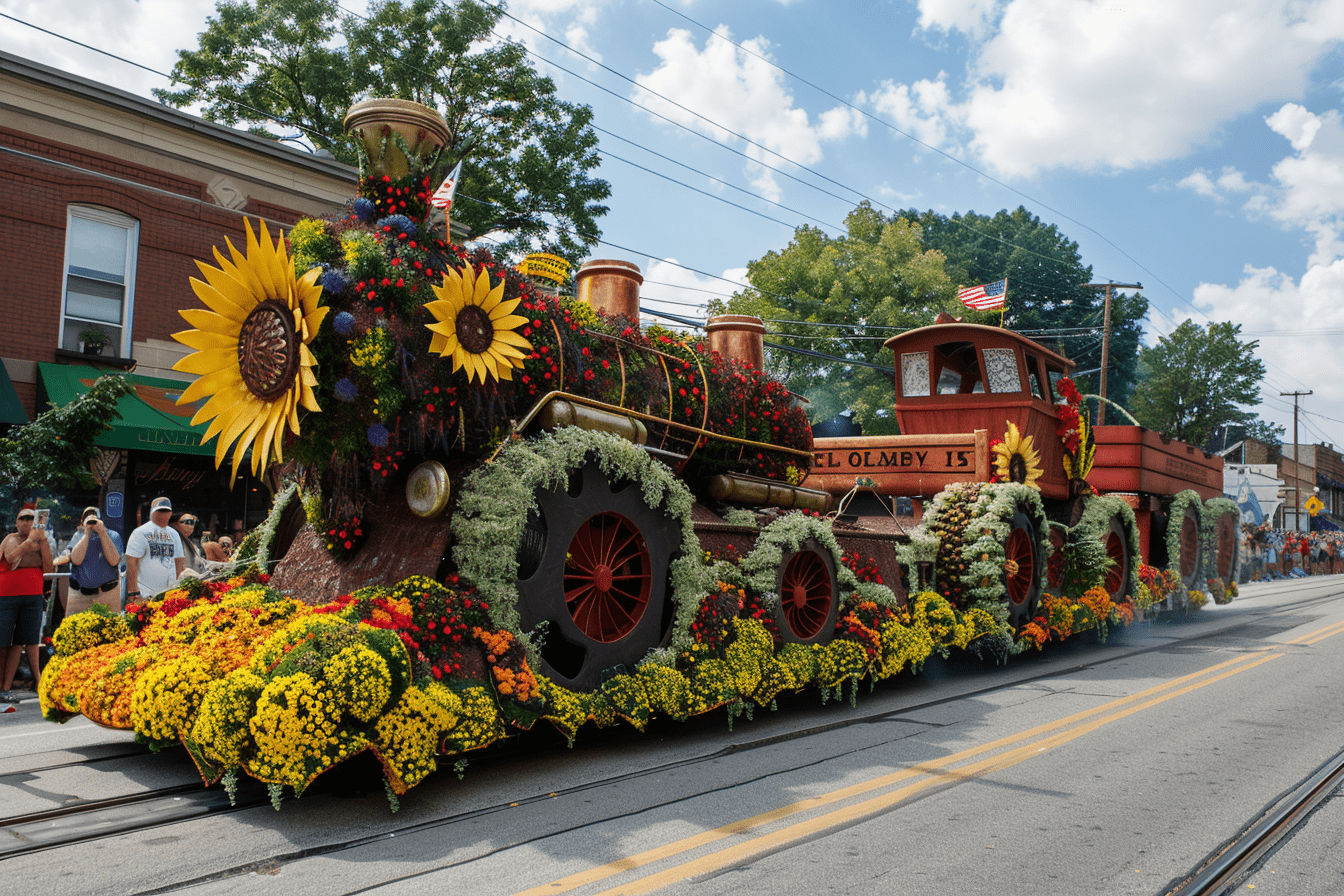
<point x="774" y="840"/>
<point x="1111" y="711"/>
<point x="1319" y="635"/>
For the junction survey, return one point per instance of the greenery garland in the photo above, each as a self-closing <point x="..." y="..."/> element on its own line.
<point x="1096" y="519"/>
<point x="971" y="523"/>
<point x="1188" y="499"/>
<point x="496" y="498"/>
<point x="1215" y="509"/>
<point x="255" y="548"/>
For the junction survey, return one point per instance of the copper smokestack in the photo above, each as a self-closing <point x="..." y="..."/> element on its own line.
<point x="612" y="286"/>
<point x="739" y="336"/>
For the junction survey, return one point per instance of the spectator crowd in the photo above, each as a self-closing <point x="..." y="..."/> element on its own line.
<point x="1269" y="554"/>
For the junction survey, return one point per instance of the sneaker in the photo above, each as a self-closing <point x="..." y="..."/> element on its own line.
<point x="8" y="697"/>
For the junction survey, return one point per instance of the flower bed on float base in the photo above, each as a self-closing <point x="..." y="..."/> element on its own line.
<point x="252" y="681"/>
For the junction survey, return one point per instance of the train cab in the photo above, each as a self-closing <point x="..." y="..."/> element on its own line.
<point x="957" y="377"/>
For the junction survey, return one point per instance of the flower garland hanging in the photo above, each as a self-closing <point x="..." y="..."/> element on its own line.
<point x="1075" y="431"/>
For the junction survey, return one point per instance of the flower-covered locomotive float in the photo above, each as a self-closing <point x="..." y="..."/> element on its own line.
<point x="505" y="506"/>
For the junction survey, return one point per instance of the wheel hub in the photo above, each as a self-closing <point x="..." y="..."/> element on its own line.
<point x="799" y="596"/>
<point x="602" y="578"/>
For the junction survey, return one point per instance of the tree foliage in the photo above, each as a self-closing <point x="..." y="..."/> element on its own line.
<point x="1196" y="379"/>
<point x="53" y="452"/>
<point x="1046" y="298"/>
<point x="268" y="64"/>
<point x="833" y="295"/>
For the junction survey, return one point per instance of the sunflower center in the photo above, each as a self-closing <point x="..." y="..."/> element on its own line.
<point x="1017" y="468"/>
<point x="268" y="350"/>
<point x="474" y="329"/>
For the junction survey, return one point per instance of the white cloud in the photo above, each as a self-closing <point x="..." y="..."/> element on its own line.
<point x="1309" y="314"/>
<point x="971" y="17"/>
<point x="738" y="93"/>
<point x="148" y="32"/>
<point x="672" y="288"/>
<point x="1229" y="180"/>
<point x="1091" y="84"/>
<point x="925" y="109"/>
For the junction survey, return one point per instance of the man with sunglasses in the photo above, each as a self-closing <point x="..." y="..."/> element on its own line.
<point x="95" y="553"/>
<point x="25" y="556"/>
<point x="154" y="554"/>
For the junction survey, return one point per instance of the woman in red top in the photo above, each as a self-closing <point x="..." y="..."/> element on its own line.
<point x="26" y="556"/>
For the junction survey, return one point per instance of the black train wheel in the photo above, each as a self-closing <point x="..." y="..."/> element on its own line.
<point x="809" y="595"/>
<point x="593" y="566"/>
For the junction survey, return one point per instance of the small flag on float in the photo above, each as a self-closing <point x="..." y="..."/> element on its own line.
<point x="443" y="196"/>
<point x="986" y="297"/>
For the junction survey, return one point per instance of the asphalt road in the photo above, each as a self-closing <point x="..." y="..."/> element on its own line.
<point x="1089" y="768"/>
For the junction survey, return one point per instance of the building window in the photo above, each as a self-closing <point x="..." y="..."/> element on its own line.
<point x="100" y="250"/>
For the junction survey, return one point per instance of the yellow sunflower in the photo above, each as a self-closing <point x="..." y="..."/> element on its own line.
<point x="1015" y="458"/>
<point x="476" y="327"/>
<point x="252" y="361"/>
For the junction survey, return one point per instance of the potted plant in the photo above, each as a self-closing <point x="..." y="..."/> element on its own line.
<point x="93" y="340"/>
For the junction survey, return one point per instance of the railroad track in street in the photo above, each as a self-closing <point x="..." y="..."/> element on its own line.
<point x="1227" y="866"/>
<point x="97" y="819"/>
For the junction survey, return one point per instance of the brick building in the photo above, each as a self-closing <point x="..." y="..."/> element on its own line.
<point x="108" y="201"/>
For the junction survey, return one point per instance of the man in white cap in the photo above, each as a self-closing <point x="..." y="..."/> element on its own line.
<point x="154" y="554"/>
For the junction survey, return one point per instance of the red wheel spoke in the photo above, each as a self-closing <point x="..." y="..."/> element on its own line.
<point x="607" y="549"/>
<point x="805" y="594"/>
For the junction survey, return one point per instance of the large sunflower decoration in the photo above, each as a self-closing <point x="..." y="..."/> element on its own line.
<point x="1016" y="458"/>
<point x="252" y="361"/>
<point x="476" y="327"/>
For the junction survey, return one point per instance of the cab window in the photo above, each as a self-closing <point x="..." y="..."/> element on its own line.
<point x="1040" y="386"/>
<point x="957" y="369"/>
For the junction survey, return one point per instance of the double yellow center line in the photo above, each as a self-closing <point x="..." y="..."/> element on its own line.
<point x="763" y="834"/>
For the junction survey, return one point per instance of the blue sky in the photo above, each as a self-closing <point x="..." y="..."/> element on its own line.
<point x="1195" y="146"/>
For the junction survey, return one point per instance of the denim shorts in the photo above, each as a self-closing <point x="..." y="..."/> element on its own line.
<point x="21" y="619"/>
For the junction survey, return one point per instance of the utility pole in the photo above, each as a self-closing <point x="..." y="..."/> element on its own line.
<point x="1297" y="476"/>
<point x="1106" y="340"/>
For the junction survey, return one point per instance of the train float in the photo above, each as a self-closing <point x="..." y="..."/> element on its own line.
<point x="498" y="506"/>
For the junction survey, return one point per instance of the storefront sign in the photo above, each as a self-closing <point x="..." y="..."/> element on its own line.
<point x="167" y="472"/>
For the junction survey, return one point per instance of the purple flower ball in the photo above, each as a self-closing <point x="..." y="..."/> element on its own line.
<point x="378" y="435"/>
<point x="398" y="224"/>
<point x="333" y="281"/>
<point x="346" y="390"/>
<point x="343" y="323"/>
<point x="364" y="209"/>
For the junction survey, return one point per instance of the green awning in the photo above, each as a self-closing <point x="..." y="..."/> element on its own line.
<point x="151" y="419"/>
<point x="11" y="409"/>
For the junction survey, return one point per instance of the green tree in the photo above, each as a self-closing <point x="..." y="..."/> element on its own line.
<point x="52" y="453"/>
<point x="834" y="296"/>
<point x="1046" y="298"/>
<point x="529" y="156"/>
<point x="1195" y="380"/>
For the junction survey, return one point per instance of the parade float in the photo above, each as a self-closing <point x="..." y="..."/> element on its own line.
<point x="504" y="507"/>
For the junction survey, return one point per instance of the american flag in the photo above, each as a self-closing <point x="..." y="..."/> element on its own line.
<point x="443" y="196"/>
<point x="986" y="297"/>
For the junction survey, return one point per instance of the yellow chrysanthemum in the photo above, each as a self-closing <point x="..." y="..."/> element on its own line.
<point x="1016" y="459"/>
<point x="476" y="327"/>
<point x="252" y="361"/>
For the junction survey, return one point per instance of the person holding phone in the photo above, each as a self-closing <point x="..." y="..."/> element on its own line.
<point x="95" y="553"/>
<point x="25" y="556"/>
